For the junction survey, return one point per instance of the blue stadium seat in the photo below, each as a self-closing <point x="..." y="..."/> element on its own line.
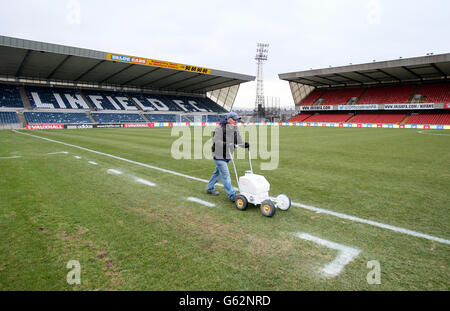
<point x="151" y="102"/>
<point x="10" y="97"/>
<point x="216" y="108"/>
<point x="214" y="118"/>
<point x="56" y="118"/>
<point x="161" y="117"/>
<point x="118" y="118"/>
<point x="7" y="117"/>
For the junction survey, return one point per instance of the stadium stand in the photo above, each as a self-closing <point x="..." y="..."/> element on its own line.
<point x="330" y="117"/>
<point x="10" y="97"/>
<point x="55" y="98"/>
<point x="117" y="117"/>
<point x="429" y="118"/>
<point x="56" y="117"/>
<point x="435" y="93"/>
<point x="391" y="118"/>
<point x="300" y="117"/>
<point x="400" y="94"/>
<point x="340" y="96"/>
<point x="387" y="95"/>
<point x="7" y="117"/>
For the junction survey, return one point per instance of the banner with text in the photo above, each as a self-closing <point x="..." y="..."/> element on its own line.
<point x="408" y="106"/>
<point x="156" y="63"/>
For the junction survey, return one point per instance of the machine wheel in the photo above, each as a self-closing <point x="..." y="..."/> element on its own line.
<point x="283" y="202"/>
<point x="267" y="208"/>
<point x="241" y="202"/>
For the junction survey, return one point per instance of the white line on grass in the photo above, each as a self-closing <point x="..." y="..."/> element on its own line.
<point x="114" y="172"/>
<point x="311" y="208"/>
<point x="61" y="152"/>
<point x="196" y="200"/>
<point x="118" y="158"/>
<point x="372" y="223"/>
<point x="92" y="162"/>
<point x="345" y="256"/>
<point x="12" y="157"/>
<point x="145" y="182"/>
<point x="77" y="157"/>
<point x="426" y="133"/>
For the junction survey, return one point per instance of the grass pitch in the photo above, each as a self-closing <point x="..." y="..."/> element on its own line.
<point x="129" y="236"/>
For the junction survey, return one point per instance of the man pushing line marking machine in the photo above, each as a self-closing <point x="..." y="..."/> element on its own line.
<point x="253" y="188"/>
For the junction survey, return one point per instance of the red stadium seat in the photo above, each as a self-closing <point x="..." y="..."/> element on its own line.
<point x="340" y="97"/>
<point x="301" y="117"/>
<point x="391" y="118"/>
<point x="330" y="117"/>
<point x="387" y="95"/>
<point x="435" y="93"/>
<point x="429" y="118"/>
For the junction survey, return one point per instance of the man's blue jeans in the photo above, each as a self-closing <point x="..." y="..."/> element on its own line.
<point x="223" y="173"/>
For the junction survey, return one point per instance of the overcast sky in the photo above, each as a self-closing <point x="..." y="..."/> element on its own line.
<point x="223" y="34"/>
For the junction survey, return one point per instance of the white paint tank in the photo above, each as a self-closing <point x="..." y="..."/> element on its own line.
<point x="253" y="183"/>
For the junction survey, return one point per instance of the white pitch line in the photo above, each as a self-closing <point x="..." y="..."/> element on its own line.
<point x="77" y="157"/>
<point x="114" y="172"/>
<point x="345" y="256"/>
<point x="145" y="182"/>
<point x="311" y="208"/>
<point x="11" y="157"/>
<point x="118" y="158"/>
<point x="421" y="132"/>
<point x="372" y="223"/>
<point x="196" y="200"/>
<point x="92" y="162"/>
<point x="61" y="152"/>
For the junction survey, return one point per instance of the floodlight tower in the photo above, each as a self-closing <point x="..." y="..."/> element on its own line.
<point x="262" y="50"/>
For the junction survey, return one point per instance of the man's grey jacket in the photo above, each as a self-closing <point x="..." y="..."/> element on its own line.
<point x="225" y="137"/>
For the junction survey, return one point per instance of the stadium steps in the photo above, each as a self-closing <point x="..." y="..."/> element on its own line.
<point x="87" y="103"/>
<point x="350" y="118"/>
<point x="317" y="104"/>
<point x="88" y="113"/>
<point x="24" y="97"/>
<point x="141" y="113"/>
<point x="21" y="118"/>
<point x="405" y="119"/>
<point x="414" y="93"/>
<point x="361" y="96"/>
<point x="137" y="106"/>
<point x="306" y="120"/>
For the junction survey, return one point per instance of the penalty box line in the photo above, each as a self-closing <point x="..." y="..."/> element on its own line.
<point x="311" y="208"/>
